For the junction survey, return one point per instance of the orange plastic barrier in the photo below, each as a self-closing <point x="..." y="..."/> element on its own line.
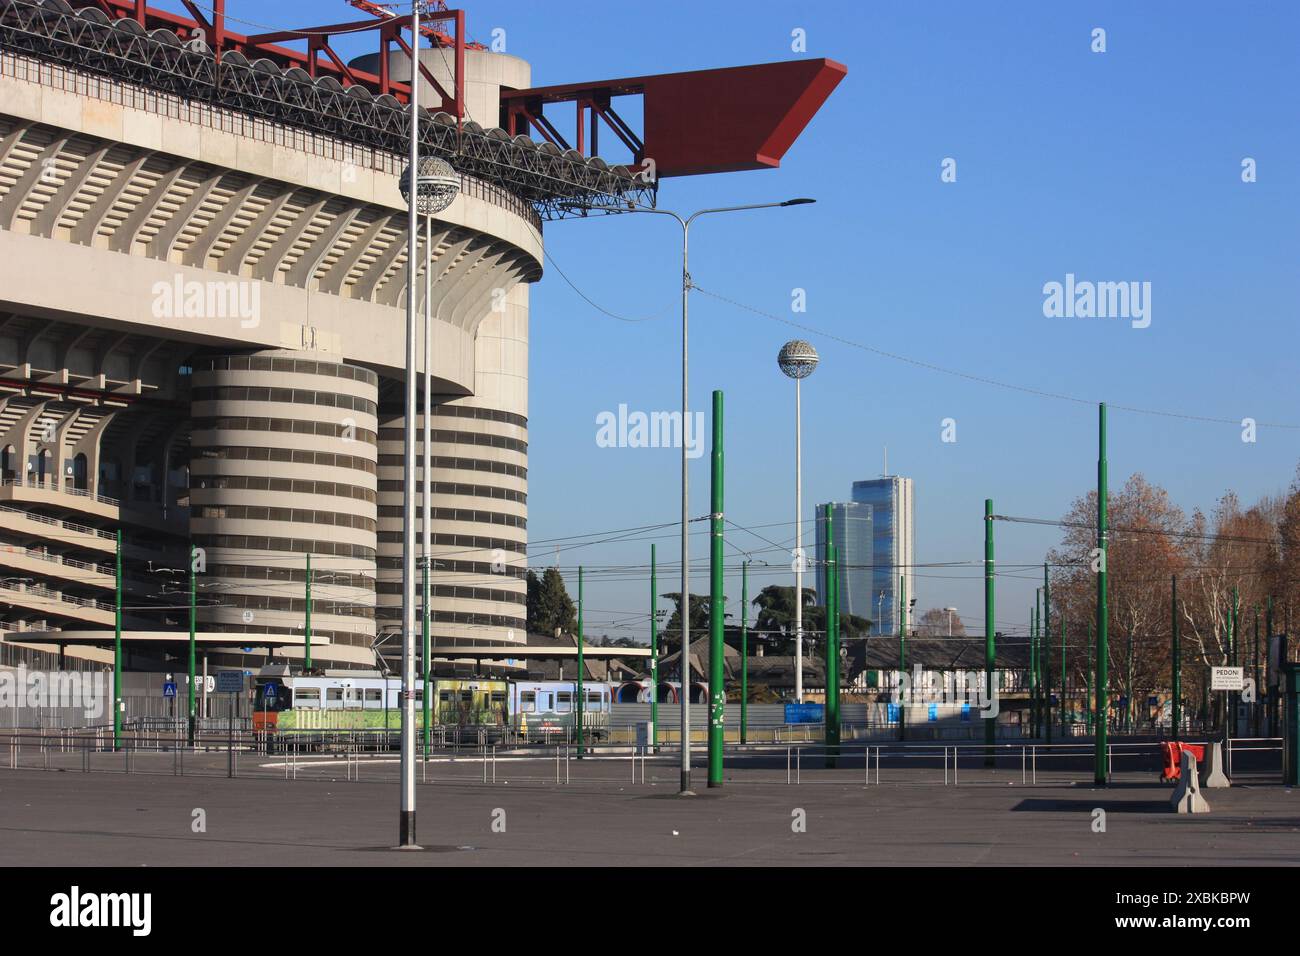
<point x="1172" y="752"/>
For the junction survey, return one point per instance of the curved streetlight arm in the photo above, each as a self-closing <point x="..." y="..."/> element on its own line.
<point x="684" y="663"/>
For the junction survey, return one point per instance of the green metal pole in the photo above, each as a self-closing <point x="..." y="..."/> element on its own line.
<point x="117" y="650"/>
<point x="1100" y="774"/>
<point x="1230" y="718"/>
<point x="990" y="692"/>
<point x="1273" y="714"/>
<point x="832" y="720"/>
<point x="426" y="665"/>
<point x="582" y="693"/>
<point x="717" y="601"/>
<point x="1064" y="682"/>
<point x="193" y="612"/>
<point x="1175" y="662"/>
<point x="902" y="655"/>
<point x="1045" y="642"/>
<point x="1045" y="656"/>
<point x="1290" y="684"/>
<point x="1088" y="665"/>
<point x="1254" y="707"/>
<point x="1033" y="663"/>
<point x="1291" y="717"/>
<point x="1087" y="680"/>
<point x="1128" y="683"/>
<point x="744" y="652"/>
<point x="654" y="653"/>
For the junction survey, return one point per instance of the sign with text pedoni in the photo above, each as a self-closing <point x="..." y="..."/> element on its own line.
<point x="805" y="713"/>
<point x="230" y="682"/>
<point x="1227" y="678"/>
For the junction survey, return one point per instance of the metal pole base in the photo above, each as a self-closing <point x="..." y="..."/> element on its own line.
<point x="686" y="790"/>
<point x="406" y="831"/>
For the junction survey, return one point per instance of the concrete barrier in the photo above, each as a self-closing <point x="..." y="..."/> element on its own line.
<point x="1187" y="795"/>
<point x="1212" y="775"/>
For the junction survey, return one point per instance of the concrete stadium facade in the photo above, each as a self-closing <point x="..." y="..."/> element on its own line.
<point x="202" y="321"/>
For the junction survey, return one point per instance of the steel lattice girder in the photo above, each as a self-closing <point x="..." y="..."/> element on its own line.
<point x="557" y="184"/>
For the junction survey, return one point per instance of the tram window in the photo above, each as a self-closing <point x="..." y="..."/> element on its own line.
<point x="498" y="697"/>
<point x="593" y="697"/>
<point x="528" y="701"/>
<point x="467" y="696"/>
<point x="307" y="697"/>
<point x="444" y="695"/>
<point x="374" y="695"/>
<point x="334" y="693"/>
<point x="564" y="701"/>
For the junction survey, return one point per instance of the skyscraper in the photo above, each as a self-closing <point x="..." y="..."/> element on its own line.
<point x="852" y="524"/>
<point x="890" y="500"/>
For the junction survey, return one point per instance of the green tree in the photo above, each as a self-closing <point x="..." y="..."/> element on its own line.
<point x="775" y="618"/>
<point x="700" y="605"/>
<point x="549" y="604"/>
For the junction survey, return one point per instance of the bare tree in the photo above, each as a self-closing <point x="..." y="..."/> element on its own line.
<point x="936" y="622"/>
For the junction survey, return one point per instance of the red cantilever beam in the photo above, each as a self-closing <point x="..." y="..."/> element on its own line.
<point x="714" y="121"/>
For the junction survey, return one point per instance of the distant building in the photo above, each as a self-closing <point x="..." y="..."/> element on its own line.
<point x="890" y="499"/>
<point x="852" y="524"/>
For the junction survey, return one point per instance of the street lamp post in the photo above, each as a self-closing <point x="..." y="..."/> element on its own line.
<point x="429" y="186"/>
<point x="797" y="359"/>
<point x="951" y="611"/>
<point x="684" y="661"/>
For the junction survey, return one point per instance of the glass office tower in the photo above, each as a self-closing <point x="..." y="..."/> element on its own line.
<point x="852" y="525"/>
<point x="890" y="500"/>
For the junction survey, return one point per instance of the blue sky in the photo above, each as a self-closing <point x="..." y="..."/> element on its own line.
<point x="1115" y="166"/>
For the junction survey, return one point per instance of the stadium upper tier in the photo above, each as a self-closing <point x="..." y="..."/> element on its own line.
<point x="542" y="174"/>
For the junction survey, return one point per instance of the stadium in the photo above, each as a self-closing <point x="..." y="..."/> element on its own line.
<point x="203" y="276"/>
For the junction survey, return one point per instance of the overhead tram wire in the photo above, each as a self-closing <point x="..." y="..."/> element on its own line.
<point x="600" y="308"/>
<point x="982" y="379"/>
<point x="1113" y="530"/>
<point x="957" y="373"/>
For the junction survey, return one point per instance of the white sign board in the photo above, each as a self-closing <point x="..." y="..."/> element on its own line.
<point x="1227" y="678"/>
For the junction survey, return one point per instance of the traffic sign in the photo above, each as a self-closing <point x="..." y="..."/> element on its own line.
<point x="169" y="689"/>
<point x="1227" y="678"/>
<point x="230" y="682"/>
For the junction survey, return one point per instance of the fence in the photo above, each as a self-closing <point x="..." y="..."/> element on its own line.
<point x="470" y="758"/>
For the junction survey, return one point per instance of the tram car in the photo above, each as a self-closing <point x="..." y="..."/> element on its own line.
<point x="546" y="710"/>
<point x="537" y="710"/>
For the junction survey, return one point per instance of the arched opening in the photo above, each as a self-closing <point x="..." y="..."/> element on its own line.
<point x="80" y="479"/>
<point x="8" y="464"/>
<point x="629" y="692"/>
<point x="44" y="467"/>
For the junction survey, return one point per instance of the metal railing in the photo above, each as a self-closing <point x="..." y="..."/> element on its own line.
<point x="221" y="749"/>
<point x="62" y="489"/>
<point x="57" y="523"/>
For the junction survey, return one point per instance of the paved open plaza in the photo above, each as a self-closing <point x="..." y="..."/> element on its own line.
<point x="600" y="816"/>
